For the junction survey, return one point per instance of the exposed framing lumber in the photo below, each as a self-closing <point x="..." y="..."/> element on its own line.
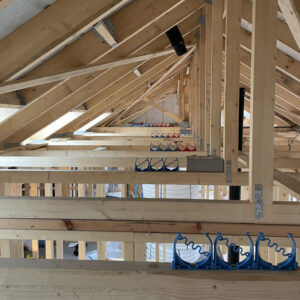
<point x="10" y="86"/>
<point x="216" y="76"/>
<point x="232" y="81"/>
<point x="208" y="82"/>
<point x="121" y="177"/>
<point x="5" y="3"/>
<point x="147" y="210"/>
<point x="160" y="80"/>
<point x="163" y="231"/>
<point x="289" y="181"/>
<point x="102" y="29"/>
<point x="262" y="99"/>
<point x="17" y="59"/>
<point x="90" y="280"/>
<point x="291" y="14"/>
<point x="136" y="38"/>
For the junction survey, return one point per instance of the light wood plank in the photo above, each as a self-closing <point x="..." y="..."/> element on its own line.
<point x="42" y="279"/>
<point x="232" y="81"/>
<point x="216" y="76"/>
<point x="262" y="99"/>
<point x="291" y="14"/>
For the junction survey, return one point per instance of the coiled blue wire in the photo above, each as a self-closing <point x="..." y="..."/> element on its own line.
<point x="191" y="243"/>
<point x="271" y="245"/>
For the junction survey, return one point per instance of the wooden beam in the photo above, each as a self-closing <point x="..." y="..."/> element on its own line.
<point x="5" y="3"/>
<point x="208" y="82"/>
<point x="232" y="84"/>
<point x="290" y="182"/>
<point x="163" y="231"/>
<point x="216" y="76"/>
<point x="87" y="281"/>
<point x="104" y="32"/>
<point x="15" y="85"/>
<point x="291" y="14"/>
<point x="121" y="177"/>
<point x="262" y="100"/>
<point x="147" y="210"/>
<point x="132" y="131"/>
<point x="59" y="30"/>
<point x="160" y="80"/>
<point x="137" y="39"/>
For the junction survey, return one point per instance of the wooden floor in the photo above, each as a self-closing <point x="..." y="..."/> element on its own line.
<point x="55" y="279"/>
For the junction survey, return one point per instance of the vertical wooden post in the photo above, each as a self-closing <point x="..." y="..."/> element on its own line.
<point x="16" y="246"/>
<point x="49" y="249"/>
<point x="128" y="251"/>
<point x="208" y="63"/>
<point x="180" y="94"/>
<point x="101" y="250"/>
<point x="232" y="80"/>
<point x="35" y="248"/>
<point x="186" y="97"/>
<point x="101" y="245"/>
<point x="201" y="78"/>
<point x="59" y="249"/>
<point x="139" y="251"/>
<point x="156" y="187"/>
<point x="262" y="99"/>
<point x="216" y="76"/>
<point x="81" y="250"/>
<point x="157" y="252"/>
<point x="5" y="248"/>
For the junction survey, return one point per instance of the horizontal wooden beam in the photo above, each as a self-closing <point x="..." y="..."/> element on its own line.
<point x="147" y="210"/>
<point x="77" y="229"/>
<point x="132" y="280"/>
<point x="15" y="85"/>
<point x="113" y="158"/>
<point x="120" y="177"/>
<point x="131" y="130"/>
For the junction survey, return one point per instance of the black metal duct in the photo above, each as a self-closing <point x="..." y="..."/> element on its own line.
<point x="176" y="40"/>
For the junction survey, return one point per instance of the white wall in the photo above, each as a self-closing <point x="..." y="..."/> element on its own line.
<point x="156" y="116"/>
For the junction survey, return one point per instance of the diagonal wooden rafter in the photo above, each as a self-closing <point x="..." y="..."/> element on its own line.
<point x="157" y="92"/>
<point x="10" y="86"/>
<point x="144" y="96"/>
<point x="105" y="101"/>
<point x="32" y="43"/>
<point x="291" y="12"/>
<point x="164" y="91"/>
<point x="171" y="77"/>
<point x="44" y="105"/>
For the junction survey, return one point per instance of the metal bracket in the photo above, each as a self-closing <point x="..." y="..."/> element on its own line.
<point x="228" y="171"/>
<point x="202" y="20"/>
<point x="197" y="35"/>
<point x="21" y="97"/>
<point x="258" y="193"/>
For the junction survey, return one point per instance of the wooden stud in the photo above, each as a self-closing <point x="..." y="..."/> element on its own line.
<point x="49" y="249"/>
<point x="216" y="76"/>
<point x="232" y="80"/>
<point x="262" y="99"/>
<point x="81" y="250"/>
